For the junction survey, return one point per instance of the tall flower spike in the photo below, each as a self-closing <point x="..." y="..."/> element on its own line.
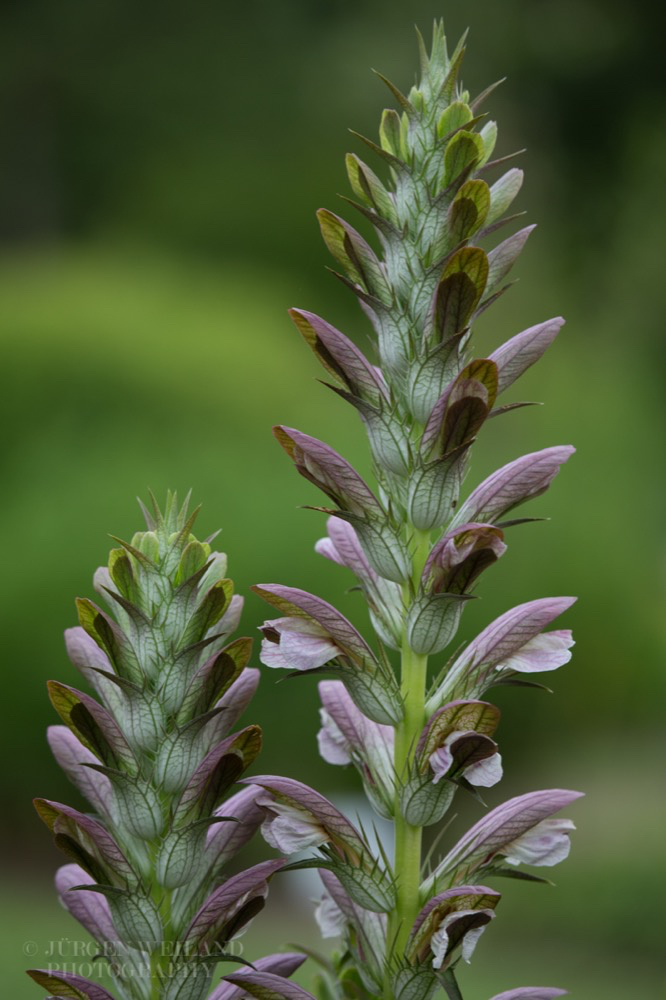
<point x="418" y="541"/>
<point x="155" y="753"/>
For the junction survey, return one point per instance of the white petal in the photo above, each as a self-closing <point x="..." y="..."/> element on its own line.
<point x="290" y="830"/>
<point x="471" y="939"/>
<point x="547" y="843"/>
<point x="325" y="547"/>
<point x="547" y="651"/>
<point x="272" y="656"/>
<point x="439" y="944"/>
<point x="485" y="773"/>
<point x="333" y="745"/>
<point x="330" y="918"/>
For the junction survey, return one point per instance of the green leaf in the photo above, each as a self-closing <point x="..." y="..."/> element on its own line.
<point x="140" y="805"/>
<point x="194" y="558"/>
<point x="459" y="292"/>
<point x="468" y="211"/>
<point x="429" y="377"/>
<point x="181" y="854"/>
<point x="453" y="118"/>
<point x="386" y="552"/>
<point x="211" y="608"/>
<point x="135" y="916"/>
<point x="389" y="133"/>
<point x="376" y="694"/>
<point x="414" y="982"/>
<point x="368" y="187"/>
<point x="463" y="153"/>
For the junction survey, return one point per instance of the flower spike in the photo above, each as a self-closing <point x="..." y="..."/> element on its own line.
<point x="155" y="755"/>
<point x="418" y="540"/>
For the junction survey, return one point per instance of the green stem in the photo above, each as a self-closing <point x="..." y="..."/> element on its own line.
<point x="407" y="837"/>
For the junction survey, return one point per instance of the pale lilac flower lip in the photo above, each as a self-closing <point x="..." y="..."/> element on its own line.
<point x="513" y="642"/>
<point x="322" y="621"/>
<point x="510" y="824"/>
<point x="330" y="918"/>
<point x="296" y="644"/>
<point x="547" y="843"/>
<point x="470" y="924"/>
<point x="348" y="736"/>
<point x="296" y="812"/>
<point x="547" y="651"/>
<point x="482" y="763"/>
<point x="290" y="829"/>
<point x="313" y="635"/>
<point x="531" y="993"/>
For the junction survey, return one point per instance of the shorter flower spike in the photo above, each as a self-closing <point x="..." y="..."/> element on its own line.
<point x="155" y="755"/>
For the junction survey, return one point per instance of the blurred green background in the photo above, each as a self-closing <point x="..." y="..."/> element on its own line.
<point x="162" y="165"/>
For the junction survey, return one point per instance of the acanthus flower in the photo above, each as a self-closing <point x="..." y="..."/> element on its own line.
<point x="347" y="736"/>
<point x="342" y="546"/>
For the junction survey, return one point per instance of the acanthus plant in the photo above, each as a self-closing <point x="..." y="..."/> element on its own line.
<point x="417" y="548"/>
<point x="154" y="753"/>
